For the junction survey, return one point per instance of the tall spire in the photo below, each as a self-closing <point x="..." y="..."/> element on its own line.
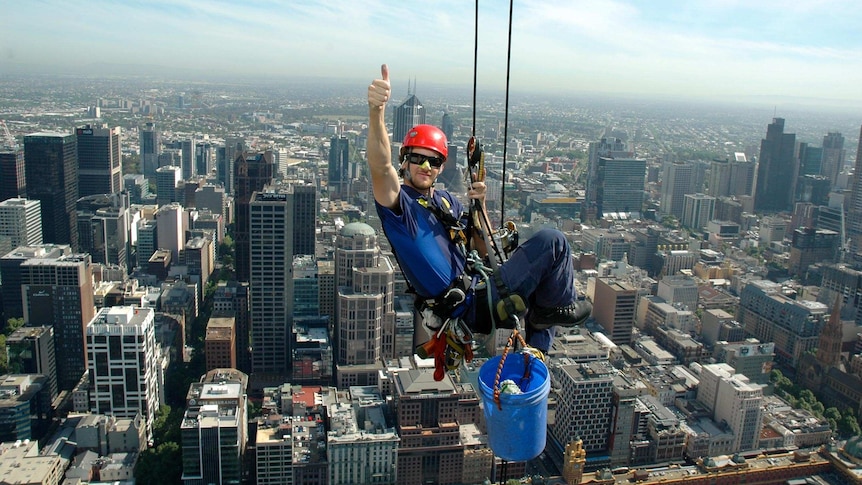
<point x="829" y="347"/>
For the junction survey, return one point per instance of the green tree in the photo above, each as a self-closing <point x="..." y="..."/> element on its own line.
<point x="848" y="426"/>
<point x="160" y="465"/>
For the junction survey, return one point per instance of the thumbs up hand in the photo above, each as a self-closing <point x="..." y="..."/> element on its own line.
<point x="379" y="89"/>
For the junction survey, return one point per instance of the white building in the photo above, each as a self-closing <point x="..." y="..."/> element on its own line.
<point x="733" y="400"/>
<point x="20" y="224"/>
<point x="122" y="359"/>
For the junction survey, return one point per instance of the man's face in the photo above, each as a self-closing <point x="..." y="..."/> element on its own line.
<point x="421" y="176"/>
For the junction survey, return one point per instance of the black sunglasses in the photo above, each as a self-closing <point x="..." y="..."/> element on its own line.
<point x="417" y="159"/>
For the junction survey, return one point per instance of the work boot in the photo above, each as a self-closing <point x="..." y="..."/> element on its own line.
<point x="565" y="316"/>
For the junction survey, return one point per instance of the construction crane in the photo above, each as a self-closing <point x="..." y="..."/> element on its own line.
<point x="9" y="141"/>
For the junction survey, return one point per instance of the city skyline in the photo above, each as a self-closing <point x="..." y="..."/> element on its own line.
<point x="766" y="51"/>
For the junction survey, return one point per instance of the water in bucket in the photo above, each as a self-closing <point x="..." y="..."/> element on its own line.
<point x="518" y="428"/>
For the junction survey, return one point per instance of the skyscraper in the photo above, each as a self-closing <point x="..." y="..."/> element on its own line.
<point x="698" y="209"/>
<point x="777" y="170"/>
<point x="854" y="208"/>
<point x="52" y="179"/>
<point x="621" y="182"/>
<point x="407" y="115"/>
<point x="20" y="224"/>
<point x="305" y="206"/>
<point x="100" y="168"/>
<point x="833" y="156"/>
<point x="167" y="180"/>
<point x="59" y="293"/>
<point x="151" y="147"/>
<point x="31" y="351"/>
<point x="340" y="173"/>
<point x="124" y="337"/>
<point x="615" y="302"/>
<point x="231" y="298"/>
<point x="731" y="177"/>
<point x="608" y="148"/>
<point x="251" y="173"/>
<point x="271" y="280"/>
<point x="676" y="183"/>
<point x="103" y="228"/>
<point x="187" y="148"/>
<point x="13" y="182"/>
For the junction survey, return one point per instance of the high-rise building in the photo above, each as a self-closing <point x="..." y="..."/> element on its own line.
<point x="271" y="215"/>
<point x="11" y="274"/>
<point x="100" y="167"/>
<point x="59" y="293"/>
<point x="225" y="159"/>
<point x="341" y="170"/>
<point x="810" y="159"/>
<point x="678" y="290"/>
<point x="698" y="209"/>
<point x="406" y="115"/>
<point x="732" y="399"/>
<point x="614" y="307"/>
<point x="167" y="180"/>
<point x="305" y="206"/>
<point x="204" y="159"/>
<point x="585" y="404"/>
<point x="30" y="350"/>
<point x="809" y="246"/>
<point x="151" y="148"/>
<point x="52" y="179"/>
<point x="833" y="156"/>
<point x="172" y="225"/>
<point x="621" y="182"/>
<point x="187" y="148"/>
<point x="731" y="177"/>
<point x="676" y="183"/>
<point x="20" y="224"/>
<point x="199" y="258"/>
<point x="148" y="242"/>
<point x="770" y="316"/>
<point x="607" y="148"/>
<point x="220" y="343"/>
<point x="213" y="430"/>
<point x="854" y="208"/>
<point x="447" y="124"/>
<point x="103" y="228"/>
<point x="251" y="173"/>
<point x="13" y="182"/>
<point x="777" y="170"/>
<point x="124" y="338"/>
<point x="841" y="279"/>
<point x="231" y="299"/>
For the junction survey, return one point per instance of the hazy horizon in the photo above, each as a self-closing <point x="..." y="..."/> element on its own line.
<point x="719" y="51"/>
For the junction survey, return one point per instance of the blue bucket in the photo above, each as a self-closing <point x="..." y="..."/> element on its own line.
<point x="518" y="429"/>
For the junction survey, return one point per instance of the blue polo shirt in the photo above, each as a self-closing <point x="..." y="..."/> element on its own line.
<point x="428" y="258"/>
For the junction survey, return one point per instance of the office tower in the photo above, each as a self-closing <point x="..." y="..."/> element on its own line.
<point x="833" y="156"/>
<point x="607" y="148"/>
<point x="812" y="188"/>
<point x="749" y="358"/>
<point x="614" y="307"/>
<point x="225" y="159"/>
<point x="854" y="208"/>
<point x="772" y="229"/>
<point x="51" y="161"/>
<point x="10" y="274"/>
<point x="20" y="224"/>
<point x="124" y="338"/>
<point x="25" y="412"/>
<point x="138" y="187"/>
<point x="777" y="169"/>
<point x="841" y="279"/>
<point x="100" y="167"/>
<point x="187" y="149"/>
<point x="151" y="148"/>
<point x="621" y="182"/>
<point x="698" y="209"/>
<point x="447" y="124"/>
<point x="271" y="280"/>
<point x="431" y="449"/>
<point x="148" y="242"/>
<point x="327" y="286"/>
<point x="204" y="159"/>
<point x="732" y="399"/>
<point x="13" y="182"/>
<point x="251" y="173"/>
<point x="678" y="289"/>
<point x="585" y="404"/>
<point x="810" y="246"/>
<point x="770" y="316"/>
<point x="676" y="183"/>
<point x="167" y="180"/>
<point x="305" y="206"/>
<point x="199" y="258"/>
<point x="340" y="170"/>
<point x="212" y="198"/>
<point x="406" y="115"/>
<point x="103" y="228"/>
<point x="59" y="293"/>
<point x="220" y="343"/>
<point x="172" y="225"/>
<point x="231" y="299"/>
<point x="810" y="159"/>
<point x="731" y="177"/>
<point x="213" y="430"/>
<point x="30" y="350"/>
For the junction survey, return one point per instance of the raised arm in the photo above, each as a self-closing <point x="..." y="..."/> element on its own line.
<point x="384" y="176"/>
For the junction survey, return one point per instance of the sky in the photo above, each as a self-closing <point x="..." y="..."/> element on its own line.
<point x="721" y="49"/>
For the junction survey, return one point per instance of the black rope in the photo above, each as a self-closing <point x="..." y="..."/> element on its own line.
<point x="475" y="63"/>
<point x="506" y="121"/>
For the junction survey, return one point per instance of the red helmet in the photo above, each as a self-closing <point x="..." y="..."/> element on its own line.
<point x="425" y="136"/>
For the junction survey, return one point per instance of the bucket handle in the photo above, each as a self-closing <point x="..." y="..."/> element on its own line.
<point x="510" y="342"/>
